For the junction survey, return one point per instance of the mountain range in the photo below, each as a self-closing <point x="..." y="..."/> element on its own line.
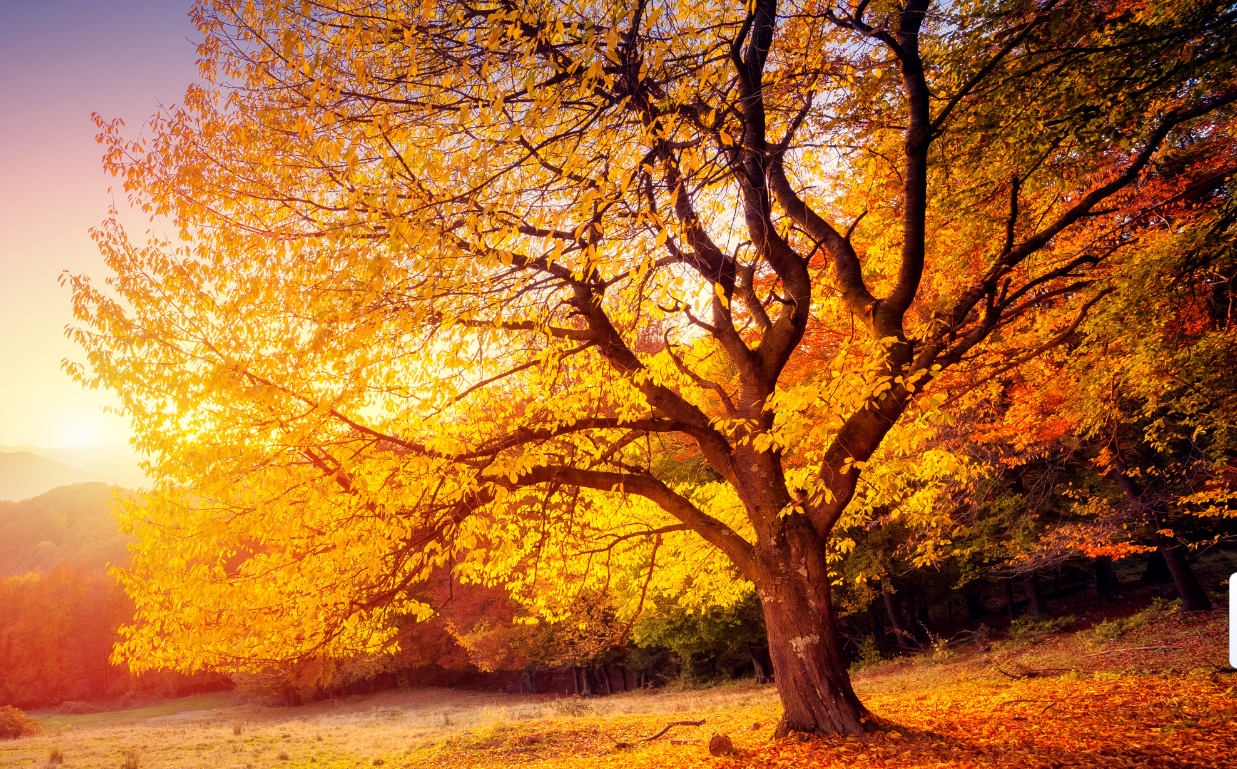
<point x="28" y="471"/>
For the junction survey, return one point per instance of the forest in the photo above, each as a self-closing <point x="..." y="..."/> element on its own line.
<point x="584" y="347"/>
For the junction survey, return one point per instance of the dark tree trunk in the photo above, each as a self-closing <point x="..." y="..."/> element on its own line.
<point x="1105" y="580"/>
<point x="1156" y="572"/>
<point x="1035" y="602"/>
<point x="761" y="662"/>
<point x="1008" y="584"/>
<point x="974" y="606"/>
<point x="923" y="618"/>
<point x="811" y="678"/>
<point x="604" y="674"/>
<point x="623" y="674"/>
<point x="1193" y="597"/>
<point x="909" y="616"/>
<point x="901" y="637"/>
<point x="878" y="628"/>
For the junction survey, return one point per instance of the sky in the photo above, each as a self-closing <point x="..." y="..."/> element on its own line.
<point x="61" y="60"/>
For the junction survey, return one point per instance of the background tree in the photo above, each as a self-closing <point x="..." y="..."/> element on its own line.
<point x="458" y="270"/>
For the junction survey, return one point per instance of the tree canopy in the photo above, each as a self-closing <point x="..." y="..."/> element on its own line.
<point x="634" y="296"/>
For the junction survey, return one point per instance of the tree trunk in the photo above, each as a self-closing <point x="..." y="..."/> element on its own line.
<point x="1105" y="580"/>
<point x="1008" y="584"/>
<point x="1035" y="603"/>
<point x="974" y="606"/>
<point x="901" y="636"/>
<point x="1193" y="597"/>
<point x="812" y="679"/>
<point x="760" y="662"/>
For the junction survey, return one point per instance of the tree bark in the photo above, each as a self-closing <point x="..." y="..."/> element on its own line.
<point x="974" y="606"/>
<point x="1008" y="584"/>
<point x="1193" y="597"/>
<point x="1035" y="602"/>
<point x="760" y="662"/>
<point x="812" y="680"/>
<point x="1156" y="572"/>
<point x="900" y="634"/>
<point x="1105" y="580"/>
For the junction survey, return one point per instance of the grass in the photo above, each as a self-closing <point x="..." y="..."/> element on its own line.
<point x="1006" y="689"/>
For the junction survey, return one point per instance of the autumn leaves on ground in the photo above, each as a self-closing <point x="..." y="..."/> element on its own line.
<point x="1158" y="697"/>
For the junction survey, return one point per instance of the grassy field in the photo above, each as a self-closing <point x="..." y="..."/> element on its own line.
<point x="1153" y="691"/>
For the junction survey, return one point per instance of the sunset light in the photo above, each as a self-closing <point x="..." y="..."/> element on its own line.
<point x="477" y="384"/>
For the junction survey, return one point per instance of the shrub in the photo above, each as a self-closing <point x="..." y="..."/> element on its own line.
<point x="55" y="758"/>
<point x="937" y="652"/>
<point x="1028" y="630"/>
<point x="14" y="723"/>
<point x="237" y="728"/>
<point x="869" y="654"/>
<point x="1113" y="629"/>
<point x="129" y="759"/>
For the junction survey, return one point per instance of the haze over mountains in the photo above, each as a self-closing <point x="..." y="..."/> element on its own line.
<point x="70" y="524"/>
<point x="28" y="471"/>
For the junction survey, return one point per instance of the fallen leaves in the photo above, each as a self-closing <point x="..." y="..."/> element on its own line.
<point x="1113" y="722"/>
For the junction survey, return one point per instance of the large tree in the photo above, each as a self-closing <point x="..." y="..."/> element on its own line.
<point x="486" y="283"/>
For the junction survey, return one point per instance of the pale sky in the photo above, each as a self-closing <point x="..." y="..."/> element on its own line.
<point x="61" y="60"/>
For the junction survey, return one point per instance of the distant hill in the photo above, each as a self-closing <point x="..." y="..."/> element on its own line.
<point x="114" y="463"/>
<point x="24" y="475"/>
<point x="71" y="523"/>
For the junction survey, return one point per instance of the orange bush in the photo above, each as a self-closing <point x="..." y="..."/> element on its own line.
<point x="15" y="723"/>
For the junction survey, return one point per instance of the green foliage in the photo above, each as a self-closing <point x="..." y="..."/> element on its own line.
<point x="718" y="636"/>
<point x="1112" y="629"/>
<point x="938" y="651"/>
<point x="869" y="654"/>
<point x="1028" y="630"/>
<point x="14" y="723"/>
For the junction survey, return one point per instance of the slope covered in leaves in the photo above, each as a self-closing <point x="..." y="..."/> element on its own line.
<point x="1103" y="722"/>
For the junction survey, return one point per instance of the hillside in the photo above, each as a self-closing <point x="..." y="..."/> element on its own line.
<point x="113" y="463"/>
<point x="24" y="475"/>
<point x="71" y="523"/>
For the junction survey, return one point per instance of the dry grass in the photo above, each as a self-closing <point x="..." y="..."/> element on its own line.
<point x="375" y="730"/>
<point x="445" y="728"/>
